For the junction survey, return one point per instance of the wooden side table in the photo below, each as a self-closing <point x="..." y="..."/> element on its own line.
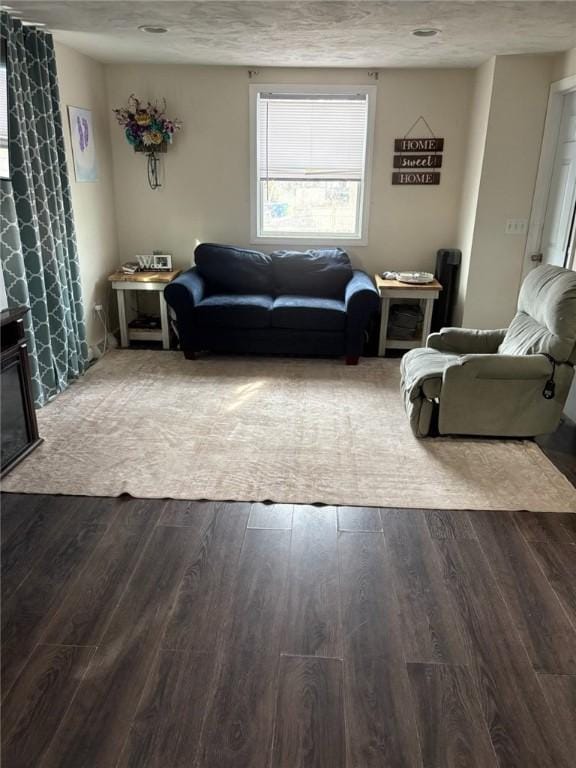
<point x="143" y="281"/>
<point x="426" y="293"/>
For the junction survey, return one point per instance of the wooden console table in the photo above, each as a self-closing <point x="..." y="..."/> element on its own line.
<point x="143" y="281"/>
<point x="426" y="293"/>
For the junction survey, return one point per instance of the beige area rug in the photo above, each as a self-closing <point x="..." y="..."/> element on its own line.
<point x="153" y="424"/>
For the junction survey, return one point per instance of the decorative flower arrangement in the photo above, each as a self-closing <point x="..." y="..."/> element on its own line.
<point x="146" y="126"/>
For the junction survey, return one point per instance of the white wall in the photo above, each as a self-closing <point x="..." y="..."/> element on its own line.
<point x="479" y="115"/>
<point x="565" y="65"/>
<point x="512" y="149"/>
<point x="206" y="196"/>
<point x="82" y="84"/>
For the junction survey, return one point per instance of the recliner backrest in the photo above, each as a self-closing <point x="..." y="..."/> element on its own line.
<point x="546" y="317"/>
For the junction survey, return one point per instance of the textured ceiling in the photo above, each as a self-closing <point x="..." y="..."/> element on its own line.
<point x="364" y="33"/>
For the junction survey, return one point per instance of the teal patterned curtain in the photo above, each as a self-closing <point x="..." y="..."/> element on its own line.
<point x="38" y="240"/>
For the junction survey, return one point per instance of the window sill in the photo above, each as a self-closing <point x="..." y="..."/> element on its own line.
<point x="326" y="241"/>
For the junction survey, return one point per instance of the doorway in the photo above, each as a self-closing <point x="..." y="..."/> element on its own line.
<point x="552" y="233"/>
<point x="557" y="244"/>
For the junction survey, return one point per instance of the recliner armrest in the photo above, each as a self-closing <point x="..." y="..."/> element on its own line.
<point x="185" y="291"/>
<point x="501" y="395"/>
<point x="462" y="341"/>
<point x="516" y="367"/>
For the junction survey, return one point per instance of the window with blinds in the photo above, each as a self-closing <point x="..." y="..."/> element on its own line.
<point x="4" y="162"/>
<point x="310" y="162"/>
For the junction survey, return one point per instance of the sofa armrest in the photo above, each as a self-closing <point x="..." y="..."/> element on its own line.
<point x="505" y="367"/>
<point x="185" y="291"/>
<point x="362" y="301"/>
<point x="361" y="293"/>
<point x="462" y="341"/>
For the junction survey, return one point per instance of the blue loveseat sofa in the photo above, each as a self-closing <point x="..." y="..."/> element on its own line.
<point x="287" y="302"/>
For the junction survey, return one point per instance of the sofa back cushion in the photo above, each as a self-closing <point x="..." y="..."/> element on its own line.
<point x="324" y="273"/>
<point x="546" y="317"/>
<point x="227" y="269"/>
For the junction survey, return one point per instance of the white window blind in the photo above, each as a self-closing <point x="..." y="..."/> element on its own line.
<point x="311" y="137"/>
<point x="3" y="106"/>
<point x="4" y="162"/>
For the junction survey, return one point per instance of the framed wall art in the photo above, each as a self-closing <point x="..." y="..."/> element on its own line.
<point x="82" y="139"/>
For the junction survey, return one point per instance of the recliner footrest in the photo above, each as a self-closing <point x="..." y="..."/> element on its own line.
<point x="421" y="373"/>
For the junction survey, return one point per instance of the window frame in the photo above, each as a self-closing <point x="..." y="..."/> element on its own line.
<point x="365" y="187"/>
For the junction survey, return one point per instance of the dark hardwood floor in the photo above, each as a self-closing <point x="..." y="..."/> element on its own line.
<point x="174" y="634"/>
<point x="560" y="447"/>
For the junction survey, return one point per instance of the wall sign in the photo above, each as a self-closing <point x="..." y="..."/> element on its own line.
<point x="422" y="178"/>
<point x="415" y="156"/>
<point x="417" y="161"/>
<point x="418" y="145"/>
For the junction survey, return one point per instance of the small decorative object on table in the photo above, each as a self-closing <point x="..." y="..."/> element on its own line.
<point x="412" y="278"/>
<point x="162" y="262"/>
<point x="155" y="262"/>
<point x="130" y="268"/>
<point x="148" y="130"/>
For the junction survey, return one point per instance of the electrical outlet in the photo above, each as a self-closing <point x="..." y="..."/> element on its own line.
<point x="516" y="227"/>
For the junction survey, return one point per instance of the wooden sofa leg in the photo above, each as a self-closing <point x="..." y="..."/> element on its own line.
<point x="189" y="355"/>
<point x="352" y="359"/>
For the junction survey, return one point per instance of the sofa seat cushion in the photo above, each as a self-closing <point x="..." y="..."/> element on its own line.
<point x="308" y="313"/>
<point x="234" y="311"/>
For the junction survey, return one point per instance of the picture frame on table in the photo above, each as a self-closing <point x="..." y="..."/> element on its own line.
<point x="155" y="262"/>
<point x="162" y="262"/>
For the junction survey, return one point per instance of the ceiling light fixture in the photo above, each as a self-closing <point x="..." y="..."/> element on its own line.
<point x="152" y="29"/>
<point x="425" y="32"/>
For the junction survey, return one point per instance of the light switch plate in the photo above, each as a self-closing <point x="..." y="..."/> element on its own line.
<point x="516" y="226"/>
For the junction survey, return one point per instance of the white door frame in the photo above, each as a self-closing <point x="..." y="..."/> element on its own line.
<point x="558" y="90"/>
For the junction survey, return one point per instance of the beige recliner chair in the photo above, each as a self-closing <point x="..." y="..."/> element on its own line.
<point x="505" y="383"/>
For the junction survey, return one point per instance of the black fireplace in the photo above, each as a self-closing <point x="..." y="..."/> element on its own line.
<point x="18" y="426"/>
